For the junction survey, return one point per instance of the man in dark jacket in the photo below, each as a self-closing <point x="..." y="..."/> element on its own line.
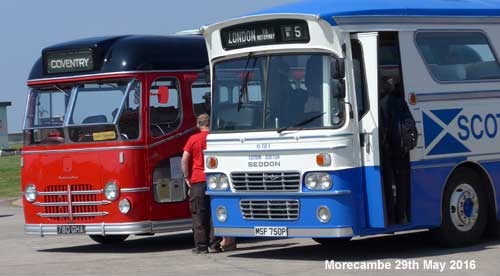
<point x="398" y="137"/>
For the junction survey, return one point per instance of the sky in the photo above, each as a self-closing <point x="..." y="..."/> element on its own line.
<point x="28" y="26"/>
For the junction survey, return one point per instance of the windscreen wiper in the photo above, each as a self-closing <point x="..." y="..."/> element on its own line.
<point x="305" y="122"/>
<point x="246" y="79"/>
<point x="61" y="90"/>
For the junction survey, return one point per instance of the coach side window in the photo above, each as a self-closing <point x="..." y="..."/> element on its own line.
<point x="458" y="56"/>
<point x="359" y="78"/>
<point x="200" y="94"/>
<point x="164" y="115"/>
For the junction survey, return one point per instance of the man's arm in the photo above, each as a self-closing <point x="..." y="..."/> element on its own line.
<point x="185" y="167"/>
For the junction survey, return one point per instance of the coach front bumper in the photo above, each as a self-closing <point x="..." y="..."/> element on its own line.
<point x="301" y="221"/>
<point x="292" y="232"/>
<point x="145" y="227"/>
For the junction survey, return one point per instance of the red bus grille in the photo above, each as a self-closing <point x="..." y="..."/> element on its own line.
<point x="64" y="203"/>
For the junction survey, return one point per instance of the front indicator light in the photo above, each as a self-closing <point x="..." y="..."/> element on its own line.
<point x="211" y="162"/>
<point x="323" y="214"/>
<point x="111" y="191"/>
<point x="124" y="206"/>
<point x="221" y="213"/>
<point x="323" y="159"/>
<point x="412" y="98"/>
<point x="30" y="193"/>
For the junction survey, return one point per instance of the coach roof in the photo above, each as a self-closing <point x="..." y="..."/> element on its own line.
<point x="133" y="53"/>
<point x="331" y="9"/>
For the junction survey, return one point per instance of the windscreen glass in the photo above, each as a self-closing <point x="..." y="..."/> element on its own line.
<point x="275" y="92"/>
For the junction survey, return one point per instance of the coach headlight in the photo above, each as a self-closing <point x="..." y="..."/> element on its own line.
<point x="223" y="182"/>
<point x="325" y="182"/>
<point x="212" y="182"/>
<point x="323" y="214"/>
<point x="30" y="193"/>
<point x="312" y="181"/>
<point x="221" y="213"/>
<point x="111" y="191"/>
<point x="317" y="181"/>
<point x="218" y="182"/>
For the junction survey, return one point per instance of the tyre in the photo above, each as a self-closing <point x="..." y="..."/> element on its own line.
<point x="111" y="239"/>
<point x="332" y="241"/>
<point x="464" y="210"/>
<point x="493" y="230"/>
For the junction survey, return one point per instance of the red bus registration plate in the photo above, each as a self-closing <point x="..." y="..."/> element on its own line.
<point x="70" y="229"/>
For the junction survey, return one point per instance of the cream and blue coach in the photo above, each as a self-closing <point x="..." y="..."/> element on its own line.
<point x="294" y="148"/>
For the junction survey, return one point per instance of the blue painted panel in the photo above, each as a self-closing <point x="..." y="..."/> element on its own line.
<point x="426" y="188"/>
<point x="438" y="161"/>
<point x="328" y="8"/>
<point x="348" y="180"/>
<point x="431" y="129"/>
<point x="493" y="169"/>
<point x="347" y="210"/>
<point x="427" y="185"/>
<point x="374" y="197"/>
<point x="340" y="206"/>
<point x="448" y="145"/>
<point x="447" y="115"/>
<point x="363" y="208"/>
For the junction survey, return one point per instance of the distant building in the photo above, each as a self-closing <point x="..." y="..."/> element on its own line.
<point x="16" y="138"/>
<point x="4" y="131"/>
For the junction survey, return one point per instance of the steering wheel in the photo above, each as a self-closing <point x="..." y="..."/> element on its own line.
<point x="159" y="128"/>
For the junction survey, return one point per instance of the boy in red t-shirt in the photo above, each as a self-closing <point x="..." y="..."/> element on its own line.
<point x="193" y="168"/>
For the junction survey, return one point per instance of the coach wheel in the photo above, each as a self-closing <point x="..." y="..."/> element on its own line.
<point x="464" y="210"/>
<point x="332" y="241"/>
<point x="493" y="228"/>
<point x="111" y="239"/>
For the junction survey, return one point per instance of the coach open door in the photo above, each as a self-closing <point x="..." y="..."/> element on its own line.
<point x="364" y="52"/>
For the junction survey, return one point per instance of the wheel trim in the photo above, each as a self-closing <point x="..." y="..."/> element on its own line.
<point x="464" y="207"/>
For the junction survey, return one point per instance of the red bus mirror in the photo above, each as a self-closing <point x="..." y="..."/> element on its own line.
<point x="163" y="94"/>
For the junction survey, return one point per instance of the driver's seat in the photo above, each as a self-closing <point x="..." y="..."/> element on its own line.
<point x="95" y="119"/>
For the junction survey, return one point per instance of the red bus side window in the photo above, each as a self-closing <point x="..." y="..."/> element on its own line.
<point x="164" y="117"/>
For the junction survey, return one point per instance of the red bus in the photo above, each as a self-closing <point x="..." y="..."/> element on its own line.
<point x="106" y="120"/>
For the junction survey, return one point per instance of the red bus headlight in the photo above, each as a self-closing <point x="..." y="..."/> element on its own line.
<point x="111" y="191"/>
<point x="30" y="193"/>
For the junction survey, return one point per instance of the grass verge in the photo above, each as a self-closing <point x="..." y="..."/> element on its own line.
<point x="10" y="176"/>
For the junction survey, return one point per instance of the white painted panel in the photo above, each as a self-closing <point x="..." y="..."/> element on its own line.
<point x="369" y="123"/>
<point x="323" y="37"/>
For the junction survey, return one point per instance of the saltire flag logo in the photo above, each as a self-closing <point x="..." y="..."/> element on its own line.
<point x="439" y="135"/>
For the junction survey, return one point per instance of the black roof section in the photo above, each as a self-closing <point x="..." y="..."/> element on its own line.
<point x="4" y="104"/>
<point x="132" y="53"/>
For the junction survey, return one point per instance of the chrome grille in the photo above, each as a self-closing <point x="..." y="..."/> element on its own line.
<point x="266" y="181"/>
<point x="71" y="203"/>
<point x="270" y="209"/>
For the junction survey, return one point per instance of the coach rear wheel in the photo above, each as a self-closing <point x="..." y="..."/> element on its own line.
<point x="464" y="210"/>
<point x="332" y="241"/>
<point x="111" y="239"/>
